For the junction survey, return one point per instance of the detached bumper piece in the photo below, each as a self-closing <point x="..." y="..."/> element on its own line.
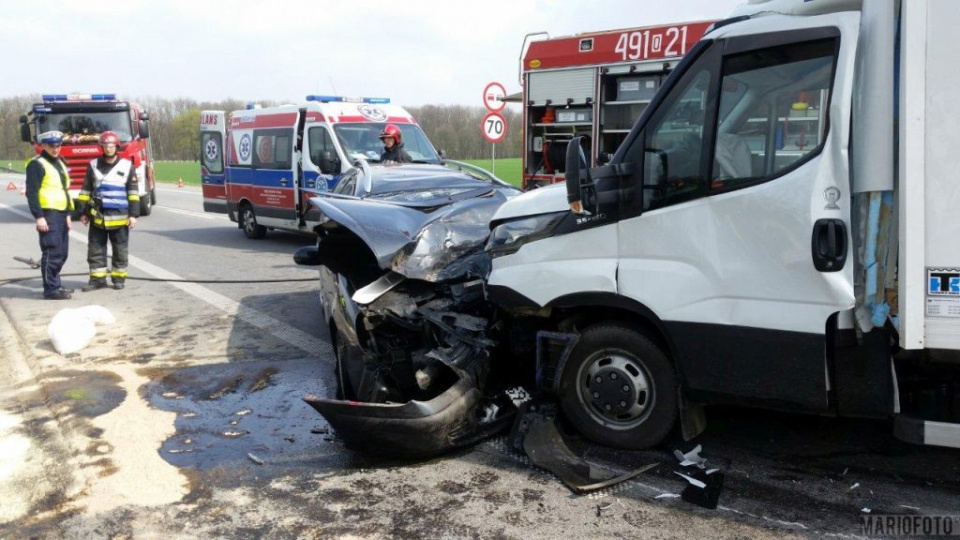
<point x="927" y="432"/>
<point x="415" y="429"/>
<point x="535" y="432"/>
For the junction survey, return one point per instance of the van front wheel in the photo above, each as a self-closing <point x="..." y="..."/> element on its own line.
<point x="619" y="389"/>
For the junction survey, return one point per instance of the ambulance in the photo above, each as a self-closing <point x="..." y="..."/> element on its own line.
<point x="260" y="166"/>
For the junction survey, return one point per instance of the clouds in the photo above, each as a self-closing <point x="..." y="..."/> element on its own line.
<point x="415" y="52"/>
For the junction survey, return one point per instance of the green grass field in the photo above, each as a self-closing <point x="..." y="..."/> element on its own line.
<point x="171" y="171"/>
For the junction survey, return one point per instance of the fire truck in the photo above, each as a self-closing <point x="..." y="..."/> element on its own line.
<point x="593" y="86"/>
<point x="82" y="118"/>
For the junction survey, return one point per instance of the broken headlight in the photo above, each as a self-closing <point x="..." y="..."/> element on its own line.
<point x="507" y="237"/>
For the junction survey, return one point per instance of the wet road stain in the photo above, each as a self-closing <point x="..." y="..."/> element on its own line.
<point x="86" y="394"/>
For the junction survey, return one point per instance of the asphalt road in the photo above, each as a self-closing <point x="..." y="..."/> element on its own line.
<point x="184" y="419"/>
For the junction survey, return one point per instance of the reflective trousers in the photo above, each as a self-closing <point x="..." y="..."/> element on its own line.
<point x="97" y="253"/>
<point x="54" y="244"/>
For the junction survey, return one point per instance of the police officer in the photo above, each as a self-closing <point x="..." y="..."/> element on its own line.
<point x="393" y="146"/>
<point x="110" y="207"/>
<point x="48" y="195"/>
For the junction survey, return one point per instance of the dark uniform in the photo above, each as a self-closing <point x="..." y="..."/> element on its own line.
<point x="109" y="197"/>
<point x="48" y="184"/>
<point x="395" y="154"/>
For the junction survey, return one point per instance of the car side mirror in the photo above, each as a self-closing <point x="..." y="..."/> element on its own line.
<point x="144" y="128"/>
<point x="329" y="163"/>
<point x="24" y="129"/>
<point x="442" y="154"/>
<point x="144" y="116"/>
<point x="307" y="256"/>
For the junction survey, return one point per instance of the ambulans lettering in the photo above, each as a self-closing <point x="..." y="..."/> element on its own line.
<point x="209" y="120"/>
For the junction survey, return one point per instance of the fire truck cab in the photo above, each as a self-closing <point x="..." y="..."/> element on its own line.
<point x="276" y="157"/>
<point x="595" y="86"/>
<point x="82" y="118"/>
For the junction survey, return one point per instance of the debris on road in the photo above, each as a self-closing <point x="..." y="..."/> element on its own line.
<point x="255" y="459"/>
<point x="853" y="487"/>
<point x="703" y="484"/>
<point x="320" y="430"/>
<point x="667" y="496"/>
<point x="536" y="433"/>
<point x="72" y="329"/>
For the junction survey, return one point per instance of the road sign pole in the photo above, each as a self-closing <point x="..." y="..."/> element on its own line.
<point x="493" y="158"/>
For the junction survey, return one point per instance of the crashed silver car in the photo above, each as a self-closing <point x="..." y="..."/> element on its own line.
<point x="401" y="251"/>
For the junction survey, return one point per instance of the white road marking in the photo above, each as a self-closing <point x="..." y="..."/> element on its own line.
<point x="282" y="331"/>
<point x="192" y="213"/>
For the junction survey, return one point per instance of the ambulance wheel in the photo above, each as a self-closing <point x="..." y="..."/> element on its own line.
<point x="146" y="205"/>
<point x="248" y="222"/>
<point x="619" y="389"/>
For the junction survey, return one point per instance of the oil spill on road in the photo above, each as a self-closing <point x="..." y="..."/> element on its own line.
<point x="85" y="394"/>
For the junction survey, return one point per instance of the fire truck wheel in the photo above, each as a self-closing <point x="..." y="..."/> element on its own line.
<point x="618" y="388"/>
<point x="146" y="205"/>
<point x="248" y="222"/>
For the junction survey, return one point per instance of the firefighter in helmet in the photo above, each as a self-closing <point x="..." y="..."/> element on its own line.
<point x="393" y="151"/>
<point x="111" y="206"/>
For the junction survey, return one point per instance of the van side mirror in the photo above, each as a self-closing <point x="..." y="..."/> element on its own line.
<point x="576" y="187"/>
<point x="442" y="154"/>
<point x="144" y="128"/>
<point x="25" y="129"/>
<point x="329" y="163"/>
<point x="144" y="116"/>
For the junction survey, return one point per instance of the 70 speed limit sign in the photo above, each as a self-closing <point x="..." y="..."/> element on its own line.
<point x="494" y="127"/>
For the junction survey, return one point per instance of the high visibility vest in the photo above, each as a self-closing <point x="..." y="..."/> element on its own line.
<point x="53" y="187"/>
<point x="111" y="188"/>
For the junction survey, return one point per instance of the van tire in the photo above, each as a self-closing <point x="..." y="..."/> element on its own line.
<point x="619" y="389"/>
<point x="146" y="205"/>
<point x="249" y="225"/>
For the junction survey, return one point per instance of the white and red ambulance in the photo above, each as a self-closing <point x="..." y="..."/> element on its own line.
<point x="260" y="165"/>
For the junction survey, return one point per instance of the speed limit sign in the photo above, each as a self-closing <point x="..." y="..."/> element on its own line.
<point x="494" y="127"/>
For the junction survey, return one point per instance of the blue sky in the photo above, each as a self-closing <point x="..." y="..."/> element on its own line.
<point x="411" y="51"/>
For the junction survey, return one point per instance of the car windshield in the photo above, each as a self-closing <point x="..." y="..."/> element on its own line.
<point x="362" y="140"/>
<point x="86" y="127"/>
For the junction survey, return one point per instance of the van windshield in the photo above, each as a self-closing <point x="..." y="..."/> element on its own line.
<point x="362" y="140"/>
<point x="86" y="127"/>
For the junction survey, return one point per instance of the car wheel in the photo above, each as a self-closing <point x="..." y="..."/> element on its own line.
<point x="146" y="205"/>
<point x="153" y="196"/>
<point x="248" y="222"/>
<point x="619" y="389"/>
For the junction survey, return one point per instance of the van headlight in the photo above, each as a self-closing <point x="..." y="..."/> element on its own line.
<point x="507" y="238"/>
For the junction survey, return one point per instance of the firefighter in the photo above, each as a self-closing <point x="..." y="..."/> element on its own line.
<point x="110" y="207"/>
<point x="48" y="195"/>
<point x="393" y="151"/>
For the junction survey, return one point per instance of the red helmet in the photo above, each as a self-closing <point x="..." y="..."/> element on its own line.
<point x="392" y="131"/>
<point x="109" y="137"/>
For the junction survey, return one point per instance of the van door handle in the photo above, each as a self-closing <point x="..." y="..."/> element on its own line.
<point x="829" y="245"/>
<point x="283" y="181"/>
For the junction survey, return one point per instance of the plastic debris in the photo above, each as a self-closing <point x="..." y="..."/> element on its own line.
<point x="255" y="459"/>
<point x="320" y="430"/>
<point x="865" y="510"/>
<point x="691" y="458"/>
<point x="667" y="496"/>
<point x="72" y="329"/>
<point x="853" y="487"/>
<point x="693" y="481"/>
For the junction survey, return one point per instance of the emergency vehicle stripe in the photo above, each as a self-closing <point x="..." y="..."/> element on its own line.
<point x="264" y="121"/>
<point x="389" y="120"/>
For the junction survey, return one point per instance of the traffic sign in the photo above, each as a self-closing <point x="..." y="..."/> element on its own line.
<point x="494" y="127"/>
<point x="493" y="97"/>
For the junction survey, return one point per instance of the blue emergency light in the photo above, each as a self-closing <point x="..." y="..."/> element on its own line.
<point x="341" y="99"/>
<point x="79" y="97"/>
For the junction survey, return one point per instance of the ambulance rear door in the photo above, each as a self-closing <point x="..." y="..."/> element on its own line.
<point x="273" y="187"/>
<point x="213" y="130"/>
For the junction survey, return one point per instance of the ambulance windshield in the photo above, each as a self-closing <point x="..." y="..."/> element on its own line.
<point x="363" y="140"/>
<point x="86" y="127"/>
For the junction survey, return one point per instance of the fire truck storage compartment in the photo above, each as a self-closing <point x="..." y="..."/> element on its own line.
<point x="561" y="88"/>
<point x="624" y="96"/>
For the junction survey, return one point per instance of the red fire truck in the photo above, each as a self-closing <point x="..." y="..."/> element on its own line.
<point x="82" y="118"/>
<point x="593" y="85"/>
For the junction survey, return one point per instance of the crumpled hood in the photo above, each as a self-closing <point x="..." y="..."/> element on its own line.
<point x="415" y="243"/>
<point x="545" y="200"/>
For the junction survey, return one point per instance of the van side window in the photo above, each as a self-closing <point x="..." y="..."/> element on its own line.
<point x="773" y="112"/>
<point x="320" y="142"/>
<point x="272" y="148"/>
<point x="211" y="145"/>
<point x="674" y="144"/>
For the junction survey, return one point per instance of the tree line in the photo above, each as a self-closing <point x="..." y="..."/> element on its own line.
<point x="174" y="127"/>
